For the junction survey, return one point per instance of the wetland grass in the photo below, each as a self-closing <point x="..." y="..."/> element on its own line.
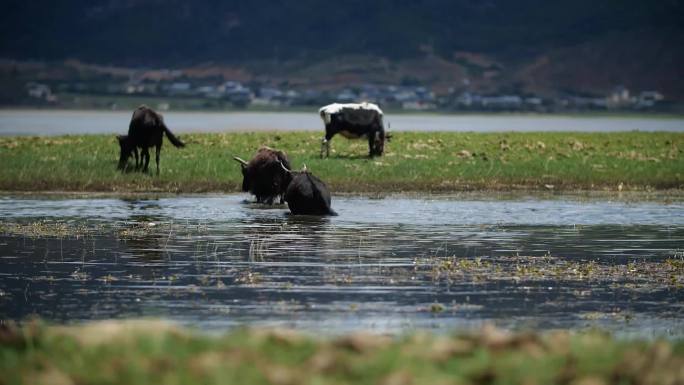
<point x="151" y="352"/>
<point x="636" y="273"/>
<point x="439" y="162"/>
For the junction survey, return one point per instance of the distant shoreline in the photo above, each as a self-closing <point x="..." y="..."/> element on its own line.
<point x="78" y="122"/>
<point x="388" y="111"/>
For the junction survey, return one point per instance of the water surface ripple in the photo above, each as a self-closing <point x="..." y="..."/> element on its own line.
<point x="382" y="264"/>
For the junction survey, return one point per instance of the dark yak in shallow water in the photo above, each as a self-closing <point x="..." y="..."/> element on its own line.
<point x="266" y="175"/>
<point x="146" y="130"/>
<point x="308" y="195"/>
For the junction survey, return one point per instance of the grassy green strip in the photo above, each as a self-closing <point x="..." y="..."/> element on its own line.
<point x="413" y="162"/>
<point x="149" y="352"/>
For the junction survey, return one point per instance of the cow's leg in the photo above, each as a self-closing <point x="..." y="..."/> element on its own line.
<point x="371" y="144"/>
<point x="158" y="150"/>
<point x="145" y="158"/>
<point x="325" y="143"/>
<point x="135" y="153"/>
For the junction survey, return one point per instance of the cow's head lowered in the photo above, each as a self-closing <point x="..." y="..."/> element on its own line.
<point x="378" y="140"/>
<point x="377" y="143"/>
<point x="127" y="147"/>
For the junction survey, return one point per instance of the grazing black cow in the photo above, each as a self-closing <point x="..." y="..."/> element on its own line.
<point x="264" y="176"/>
<point x="354" y="121"/>
<point x="146" y="130"/>
<point x="308" y="195"/>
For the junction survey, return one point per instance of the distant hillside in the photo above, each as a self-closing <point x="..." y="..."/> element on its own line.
<point x="524" y="44"/>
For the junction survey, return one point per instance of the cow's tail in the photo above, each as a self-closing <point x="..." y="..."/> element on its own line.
<point x="172" y="138"/>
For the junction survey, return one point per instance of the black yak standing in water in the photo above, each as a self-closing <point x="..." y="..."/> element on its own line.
<point x="308" y="195"/>
<point x="266" y="175"/>
<point x="146" y="130"/>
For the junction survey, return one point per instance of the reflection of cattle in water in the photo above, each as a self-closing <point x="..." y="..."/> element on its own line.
<point x="264" y="175"/>
<point x="146" y="130"/>
<point x="308" y="195"/>
<point x="354" y="121"/>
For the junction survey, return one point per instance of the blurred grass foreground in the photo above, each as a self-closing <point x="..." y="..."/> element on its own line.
<point x="439" y="162"/>
<point x="154" y="352"/>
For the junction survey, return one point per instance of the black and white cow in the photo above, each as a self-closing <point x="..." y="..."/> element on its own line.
<point x="353" y="121"/>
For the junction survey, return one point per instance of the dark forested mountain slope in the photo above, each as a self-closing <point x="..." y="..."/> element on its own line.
<point x="580" y="40"/>
<point x="181" y="32"/>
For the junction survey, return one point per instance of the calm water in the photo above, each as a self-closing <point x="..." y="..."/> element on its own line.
<point x="216" y="261"/>
<point x="41" y="122"/>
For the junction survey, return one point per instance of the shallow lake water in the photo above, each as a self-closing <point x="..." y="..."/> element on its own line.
<point x="390" y="264"/>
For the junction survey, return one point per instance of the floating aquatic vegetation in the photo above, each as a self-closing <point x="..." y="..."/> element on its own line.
<point x="45" y="228"/>
<point x="644" y="273"/>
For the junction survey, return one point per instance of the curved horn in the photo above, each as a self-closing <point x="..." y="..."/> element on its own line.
<point x="240" y="160"/>
<point x="304" y="169"/>
<point x="283" y="166"/>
